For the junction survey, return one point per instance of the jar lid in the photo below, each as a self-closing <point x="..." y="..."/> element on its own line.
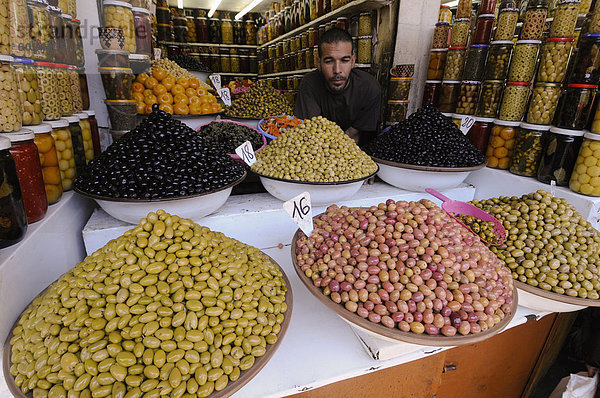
<point x="509" y="83"/>
<point x="40" y="63"/>
<point x="41" y="128"/>
<point x="487" y="16"/>
<point x="537" y="127"/>
<point x="365" y="13"/>
<point x="438" y="50"/>
<point x="462" y="20"/>
<point x="494" y="81"/>
<point x="444" y="6"/>
<point x="90" y="112"/>
<point x="110" y="69"/>
<point x="140" y="57"/>
<point x="19" y="60"/>
<point x="144" y="11"/>
<point x="364" y="37"/>
<point x="471" y="82"/>
<point x="21" y="135"/>
<point x="575" y="133"/>
<point x="72" y="119"/>
<point x="398" y="102"/>
<point x="509" y="10"/>
<point x="457" y="48"/>
<point x="593" y="86"/>
<point x="6" y="58"/>
<point x="38" y="2"/>
<point x="117" y="3"/>
<point x="433" y="81"/>
<point x="457" y="115"/>
<point x="81" y="115"/>
<point x="592" y="35"/>
<point x="568" y="1"/>
<point x="451" y="82"/>
<point x="164" y="24"/>
<point x="546" y="84"/>
<point x="4" y="143"/>
<point x="504" y="42"/>
<point x="480" y="45"/>
<point x="442" y="24"/>
<point x="590" y="135"/>
<point x="116" y="52"/>
<point x="66" y="16"/>
<point x="560" y="39"/>
<point x="484" y="119"/>
<point x="54" y="9"/>
<point x="528" y="42"/>
<point x="58" y="123"/>
<point x="506" y="123"/>
<point x="76" y="20"/>
<point x="404" y="78"/>
<point x="162" y="8"/>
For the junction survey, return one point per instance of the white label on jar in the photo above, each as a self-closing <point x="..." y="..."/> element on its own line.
<point x="246" y="152"/>
<point x="299" y="208"/>
<point x="216" y="81"/>
<point x="466" y="123"/>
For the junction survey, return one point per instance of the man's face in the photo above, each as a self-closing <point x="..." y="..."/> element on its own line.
<point x="335" y="63"/>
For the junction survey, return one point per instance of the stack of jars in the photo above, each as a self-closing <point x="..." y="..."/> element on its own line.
<point x="398" y="91"/>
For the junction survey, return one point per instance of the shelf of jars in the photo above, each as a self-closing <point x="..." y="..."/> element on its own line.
<point x="237" y="74"/>
<point x="352" y="8"/>
<point x="303" y="71"/>
<point x="175" y="43"/>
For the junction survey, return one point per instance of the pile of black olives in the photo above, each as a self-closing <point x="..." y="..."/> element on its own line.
<point x="160" y="158"/>
<point x="426" y="138"/>
<point x="229" y="135"/>
<point x="189" y="63"/>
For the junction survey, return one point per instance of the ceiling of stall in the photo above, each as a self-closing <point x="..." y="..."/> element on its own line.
<point x="226" y="5"/>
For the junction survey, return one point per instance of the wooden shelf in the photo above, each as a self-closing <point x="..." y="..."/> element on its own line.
<point x="345" y="11"/>
<point x="176" y="43"/>
<point x="235" y="74"/>
<point x="302" y="71"/>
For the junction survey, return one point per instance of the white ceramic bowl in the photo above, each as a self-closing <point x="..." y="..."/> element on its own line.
<point x="193" y="207"/>
<point x="417" y="178"/>
<point x="321" y="193"/>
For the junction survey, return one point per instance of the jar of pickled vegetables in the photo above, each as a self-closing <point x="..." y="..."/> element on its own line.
<point x="449" y="96"/>
<point x="399" y="88"/>
<point x="498" y="60"/>
<point x="507" y="24"/>
<point x="514" y="101"/>
<point x="489" y="99"/>
<point x="468" y="97"/>
<point x="501" y="144"/>
<point x="479" y="134"/>
<point x="18" y="29"/>
<point x="29" y="90"/>
<point x="464" y="9"/>
<point x="227" y="31"/>
<point x="528" y="150"/>
<point x="41" y="33"/>
<point x="475" y="63"/>
<point x="49" y="162"/>
<point x="83" y="88"/>
<point x="484" y="28"/>
<point x="524" y="61"/>
<point x="59" y="43"/>
<point x="584" y="6"/>
<point x="586" y="67"/>
<point x="396" y="111"/>
<point x="437" y="61"/>
<point x="118" y="14"/>
<point x="365" y="47"/>
<point x="441" y="33"/>
<point x="575" y="106"/>
<point x="12" y="210"/>
<point x="69" y="39"/>
<point x="535" y="21"/>
<point x="95" y="134"/>
<point x="365" y="24"/>
<point x="12" y="110"/>
<point x="431" y="93"/>
<point x="559" y="153"/>
<point x="4" y="38"/>
<point x="445" y="15"/>
<point x="77" y="140"/>
<point x="65" y="95"/>
<point x="565" y="18"/>
<point x="542" y="104"/>
<point x="460" y="32"/>
<point x="75" y="89"/>
<point x="554" y="60"/>
<point x="29" y="172"/>
<point x="585" y="178"/>
<point x="455" y="62"/>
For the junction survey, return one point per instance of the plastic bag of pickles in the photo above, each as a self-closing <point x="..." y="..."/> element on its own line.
<point x="166" y="309"/>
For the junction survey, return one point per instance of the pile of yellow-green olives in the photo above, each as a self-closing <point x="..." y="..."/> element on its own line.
<point x="167" y="309"/>
<point x="548" y="245"/>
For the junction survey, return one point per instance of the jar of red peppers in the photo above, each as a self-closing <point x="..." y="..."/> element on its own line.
<point x="559" y="153"/>
<point x="535" y="20"/>
<point x="483" y="29"/>
<point x="441" y="33"/>
<point x="95" y="134"/>
<point x="49" y="162"/>
<point x="479" y="134"/>
<point x="431" y="94"/>
<point x="29" y="171"/>
<point x="13" y="218"/>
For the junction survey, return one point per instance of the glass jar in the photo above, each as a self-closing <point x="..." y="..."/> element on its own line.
<point x="445" y="15"/>
<point x="524" y="61"/>
<point x="565" y="18"/>
<point x="143" y="31"/>
<point x="399" y="88"/>
<point x="437" y="60"/>
<point x="364" y="53"/>
<point x="584" y="6"/>
<point x="455" y="62"/>
<point x="559" y="153"/>
<point x="189" y="23"/>
<point x="364" y="24"/>
<point x="214" y="25"/>
<point x="575" y="105"/>
<point x="20" y="35"/>
<point x="554" y="60"/>
<point x="29" y="90"/>
<point x="75" y="89"/>
<point x="86" y="134"/>
<point x="12" y="115"/>
<point x="83" y="88"/>
<point x="501" y="144"/>
<point x="235" y="63"/>
<point x="441" y="33"/>
<point x="180" y="34"/>
<point x="300" y="58"/>
<point x="117" y="82"/>
<point x="534" y="23"/>
<point x="49" y="90"/>
<point x="69" y="39"/>
<point x="118" y="14"/>
<point x="5" y="26"/>
<point x="498" y="60"/>
<point x="585" y="178"/>
<point x="79" y="59"/>
<point x="29" y="172"/>
<point x="486" y="7"/>
<point x="475" y="63"/>
<point x="64" y="151"/>
<point x="225" y="62"/>
<point x="514" y="101"/>
<point x="431" y="93"/>
<point x="163" y="15"/>
<point x="12" y="210"/>
<point x="226" y="31"/>
<point x="507" y="24"/>
<point x="449" y="96"/>
<point x="489" y="99"/>
<point x="468" y="97"/>
<point x="164" y="32"/>
<point x="95" y="134"/>
<point x="49" y="162"/>
<point x="65" y="96"/>
<point x="304" y="40"/>
<point x="484" y="28"/>
<point x="59" y="43"/>
<point x="586" y="67"/>
<point x="309" y="59"/>
<point x="464" y="9"/>
<point x="528" y="150"/>
<point x="77" y="140"/>
<point x="479" y="134"/>
<point x="239" y="33"/>
<point x="543" y="103"/>
<point x="460" y="32"/>
<point x="202" y="30"/>
<point x="396" y="111"/>
<point x="41" y="33"/>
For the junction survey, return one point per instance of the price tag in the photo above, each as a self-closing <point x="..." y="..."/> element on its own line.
<point x="553" y="187"/>
<point x="246" y="152"/>
<point x="299" y="208"/>
<point x="157" y="53"/>
<point x="225" y="95"/>
<point x="216" y="81"/>
<point x="466" y="124"/>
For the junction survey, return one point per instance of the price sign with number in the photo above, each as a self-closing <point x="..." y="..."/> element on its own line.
<point x="216" y="81"/>
<point x="246" y="152"/>
<point x="225" y="95"/>
<point x="300" y="209"/>
<point x="466" y="124"/>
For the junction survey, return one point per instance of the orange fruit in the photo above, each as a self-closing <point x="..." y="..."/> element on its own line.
<point x="205" y="108"/>
<point x="212" y="99"/>
<point x="150" y="82"/>
<point x="168" y="82"/>
<point x="141" y="107"/>
<point x="151" y="99"/>
<point x="194" y="100"/>
<point x="182" y="81"/>
<point x="215" y="108"/>
<point x="190" y="92"/>
<point x="194" y="82"/>
<point x="201" y="91"/>
<point x="138" y="87"/>
<point x="204" y="99"/>
<point x="177" y="89"/>
<point x="165" y="98"/>
<point x="141" y="77"/>
<point x="159" y="73"/>
<point x="138" y="97"/>
<point x="159" y="89"/>
<point x="180" y="99"/>
<point x="148" y="92"/>
<point x="166" y="107"/>
<point x="148" y="109"/>
<point x="181" y="109"/>
<point x="195" y="109"/>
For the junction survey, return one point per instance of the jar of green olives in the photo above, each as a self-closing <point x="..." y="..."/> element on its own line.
<point x="65" y="96"/>
<point x="585" y="178"/>
<point x="489" y="99"/>
<point x="528" y="150"/>
<point x="468" y="97"/>
<point x="565" y="18"/>
<point x="460" y="32"/>
<point x="48" y="85"/>
<point x="514" y="101"/>
<point x="498" y="60"/>
<point x="12" y="109"/>
<point x="524" y="61"/>
<point x="554" y="60"/>
<point x="29" y="90"/>
<point x="543" y="103"/>
<point x="455" y="62"/>
<point x="559" y="153"/>
<point x="506" y="24"/>
<point x="575" y="106"/>
<point x="449" y="95"/>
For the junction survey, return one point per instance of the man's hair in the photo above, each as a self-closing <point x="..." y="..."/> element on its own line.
<point x="335" y="35"/>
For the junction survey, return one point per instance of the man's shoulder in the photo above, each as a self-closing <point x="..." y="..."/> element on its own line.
<point x="365" y="80"/>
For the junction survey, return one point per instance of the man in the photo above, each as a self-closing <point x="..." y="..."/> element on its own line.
<point x="346" y="96"/>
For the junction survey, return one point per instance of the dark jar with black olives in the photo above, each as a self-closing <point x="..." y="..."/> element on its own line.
<point x="13" y="219"/>
<point x="559" y="153"/>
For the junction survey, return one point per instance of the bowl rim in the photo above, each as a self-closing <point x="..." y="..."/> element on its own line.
<point x="128" y="200"/>
<point x="235" y="155"/>
<point x="272" y="137"/>
<point x="145" y="115"/>
<point x="427" y="168"/>
<point x="318" y="183"/>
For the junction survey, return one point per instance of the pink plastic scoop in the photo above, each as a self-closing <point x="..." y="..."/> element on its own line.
<point x="457" y="207"/>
